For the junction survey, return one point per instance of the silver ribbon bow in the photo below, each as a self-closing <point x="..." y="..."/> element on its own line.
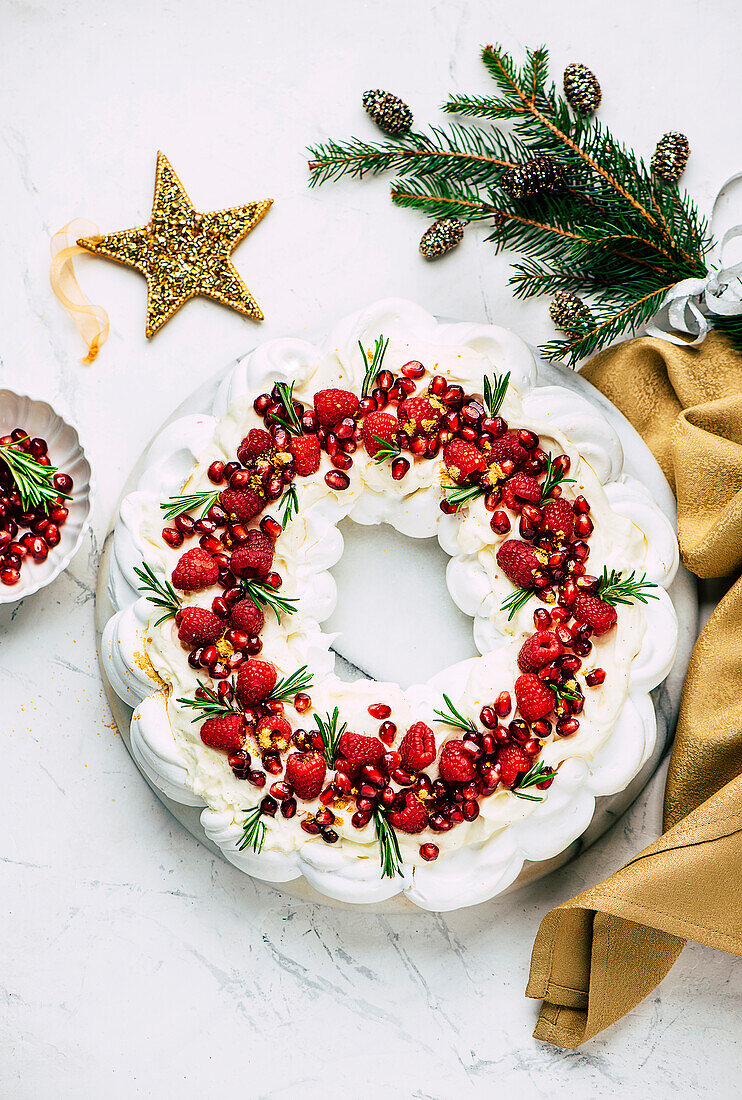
<point x="689" y="305"/>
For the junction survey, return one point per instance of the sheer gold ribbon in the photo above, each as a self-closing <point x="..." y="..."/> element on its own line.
<point x="91" y="320"/>
<point x="598" y="955"/>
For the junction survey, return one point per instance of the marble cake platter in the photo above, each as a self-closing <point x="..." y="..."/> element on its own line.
<point x="376" y="641"/>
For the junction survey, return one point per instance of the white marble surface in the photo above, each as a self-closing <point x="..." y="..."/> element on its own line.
<point x="138" y="964"/>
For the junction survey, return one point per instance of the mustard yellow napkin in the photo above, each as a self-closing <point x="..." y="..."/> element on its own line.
<point x="598" y="955"/>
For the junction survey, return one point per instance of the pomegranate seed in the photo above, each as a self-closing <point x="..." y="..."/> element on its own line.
<point x="275" y="580"/>
<point x="391" y="761"/>
<point x="439" y="385"/>
<point x="379" y="710"/>
<point x="562" y="464"/>
<point x="583" y="526"/>
<point x="468" y="434"/>
<point x="470" y="810"/>
<point x="503" y="704"/>
<point x="302" y="702"/>
<point x="400" y="466"/>
<point x="271" y="527"/>
<point x="215" y="472"/>
<point x="330" y="836"/>
<point x="447" y="507"/>
<point x="488" y="717"/>
<point x="473" y="413"/>
<point x="541" y="619"/>
<point x="532" y="747"/>
<point x="519" y="731"/>
<point x="337" y="480"/>
<point x="565" y="727"/>
<point x="500" y="523"/>
<point x="310" y="826"/>
<point x="204" y="526"/>
<point x="595" y="678"/>
<point x="413" y="369"/>
<point x="570" y="663"/>
<point x="288" y="808"/>
<point x="429" y="852"/>
<point x="403" y="778"/>
<point x="38" y="549"/>
<point x="62" y="482"/>
<point x="342" y="461"/>
<point x="580" y="506"/>
<point x="439" y="823"/>
<point x="327" y="796"/>
<point x="360" y="819"/>
<point x="418" y="445"/>
<point x="453" y="395"/>
<point x="254" y="645"/>
<point x="542" y="728"/>
<point x="10" y="576"/>
<point x="172" y="537"/>
<point x="364" y="804"/>
<point x="387" y="732"/>
<point x="257" y="778"/>
<point x="492" y="499"/>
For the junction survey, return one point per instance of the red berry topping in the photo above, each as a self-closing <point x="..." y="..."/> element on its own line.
<point x="420" y="416"/>
<point x="255" y="680"/>
<point x="513" y="762"/>
<point x="306" y="771"/>
<point x="195" y="570"/>
<point x="557" y="519"/>
<point x="241" y="505"/>
<point x="535" y="699"/>
<point x="257" y="442"/>
<point x="518" y="562"/>
<point x="417" y="748"/>
<point x="227" y="733"/>
<point x="248" y="617"/>
<point x="357" y="750"/>
<point x="507" y="447"/>
<point x="429" y="852"/>
<point x="273" y="733"/>
<point x="332" y="406"/>
<point x="197" y="626"/>
<point x="540" y="650"/>
<point x="462" y="460"/>
<point x="598" y="614"/>
<point x="306" y="451"/>
<point x="255" y="557"/>
<point x="456" y="765"/>
<point x="382" y="425"/>
<point x="521" y="489"/>
<point x="413" y="818"/>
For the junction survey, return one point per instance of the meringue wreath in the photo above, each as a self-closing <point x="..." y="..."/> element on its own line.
<point x="221" y="573"/>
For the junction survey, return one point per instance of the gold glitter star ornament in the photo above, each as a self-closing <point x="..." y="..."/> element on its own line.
<point x="182" y="253"/>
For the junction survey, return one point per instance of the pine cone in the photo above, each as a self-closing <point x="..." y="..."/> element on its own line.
<point x="440" y="237"/>
<point x="567" y="309"/>
<point x="671" y="156"/>
<point x="582" y="89"/>
<point x="388" y="111"/>
<point x="540" y="176"/>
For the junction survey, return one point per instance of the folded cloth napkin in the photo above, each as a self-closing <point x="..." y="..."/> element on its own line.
<point x="598" y="955"/>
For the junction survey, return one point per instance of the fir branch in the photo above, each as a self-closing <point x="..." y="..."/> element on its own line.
<point x="264" y="595"/>
<point x="213" y="706"/>
<point x="189" y="502"/>
<point x="517" y="599"/>
<point x="372" y="367"/>
<point x="494" y="392"/>
<point x="330" y="734"/>
<point x="253" y="830"/>
<point x="465" y="494"/>
<point x="615" y="588"/>
<point x="288" y="505"/>
<point x="159" y="592"/>
<point x="537" y="774"/>
<point x="389" y="853"/>
<point x="289" y="686"/>
<point x="553" y="478"/>
<point x="454" y="717"/>
<point x="32" y="479"/>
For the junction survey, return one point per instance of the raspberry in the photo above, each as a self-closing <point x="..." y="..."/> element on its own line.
<point x="462" y="460"/>
<point x="256" y="442"/>
<point x="332" y="406"/>
<point x="518" y="562"/>
<point x="420" y="415"/>
<point x="195" y="570"/>
<point x="306" y="451"/>
<point x="598" y="614"/>
<point x="273" y="733"/>
<point x="417" y="748"/>
<point x="507" y="446"/>
<point x="247" y="617"/>
<point x="557" y="519"/>
<point x="535" y="699"/>
<point x="521" y="489"/>
<point x="241" y="505"/>
<point x="540" y="650"/>
<point x="357" y="750"/>
<point x="513" y="762"/>
<point x="227" y="733"/>
<point x="255" y="680"/>
<point x="306" y="771"/>
<point x="413" y="818"/>
<point x="197" y="626"/>
<point x="380" y="424"/>
<point x="255" y="557"/>
<point x="456" y="765"/>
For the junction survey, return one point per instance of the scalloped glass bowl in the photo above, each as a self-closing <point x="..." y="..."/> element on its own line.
<point x="66" y="452"/>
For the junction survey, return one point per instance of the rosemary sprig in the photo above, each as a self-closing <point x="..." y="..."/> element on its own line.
<point x="330" y="734"/>
<point x="160" y="593"/>
<point x="517" y="599"/>
<point x="213" y="706"/>
<point x="372" y="368"/>
<point x="538" y="773"/>
<point x="455" y="718"/>
<point x="253" y="830"/>
<point x="615" y="588"/>
<point x="288" y="686"/>
<point x="563" y="691"/>
<point x="189" y="502"/>
<point x="288" y="505"/>
<point x="386" y="451"/>
<point x="264" y="595"/>
<point x="553" y="478"/>
<point x="285" y="398"/>
<point x="390" y="855"/>
<point x="494" y="392"/>
<point x="32" y="479"/>
<point x="465" y="494"/>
